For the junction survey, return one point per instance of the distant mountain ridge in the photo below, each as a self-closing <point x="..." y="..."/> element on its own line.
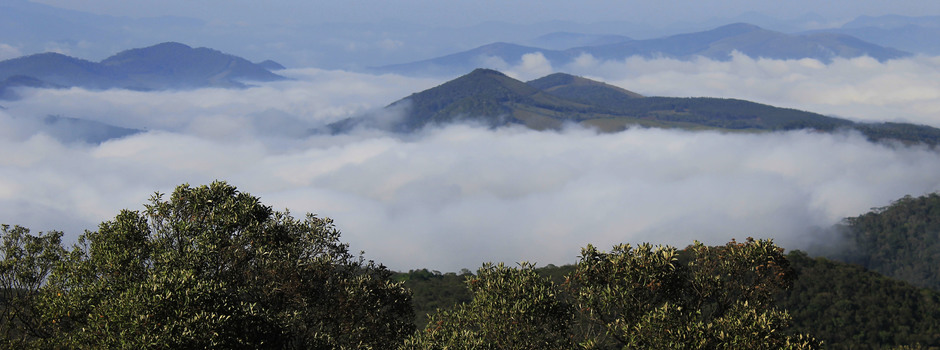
<point x="168" y="65"/>
<point x="490" y="98"/>
<point x="915" y="34"/>
<point x="717" y="44"/>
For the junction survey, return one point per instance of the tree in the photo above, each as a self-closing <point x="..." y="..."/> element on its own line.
<point x="700" y="298"/>
<point x="25" y="264"/>
<point x="512" y="308"/>
<point x="213" y="267"/>
<point x="630" y="298"/>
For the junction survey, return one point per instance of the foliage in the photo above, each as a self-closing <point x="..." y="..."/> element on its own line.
<point x="432" y="290"/>
<point x="900" y="241"/>
<point x="214" y="268"/>
<point x="646" y="297"/>
<point x="27" y="261"/>
<point x="849" y="307"/>
<point x="643" y="297"/>
<point x="511" y="308"/>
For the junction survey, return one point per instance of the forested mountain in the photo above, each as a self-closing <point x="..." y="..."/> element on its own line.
<point x="491" y="98"/>
<point x="163" y="66"/>
<point x="849" y="307"/>
<point x="718" y="44"/>
<point x="901" y="240"/>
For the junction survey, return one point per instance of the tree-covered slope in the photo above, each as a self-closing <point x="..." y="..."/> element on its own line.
<point x="490" y="98"/>
<point x="901" y="240"/>
<point x="849" y="307"/>
<point x="484" y="96"/>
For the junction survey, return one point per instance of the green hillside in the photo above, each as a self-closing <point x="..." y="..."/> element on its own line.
<point x="901" y="240"/>
<point x="849" y="307"/>
<point x="492" y="99"/>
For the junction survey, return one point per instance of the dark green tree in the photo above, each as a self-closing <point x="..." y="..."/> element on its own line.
<point x="211" y="267"/>
<point x="511" y="308"/>
<point x="26" y="261"/>
<point x="700" y="298"/>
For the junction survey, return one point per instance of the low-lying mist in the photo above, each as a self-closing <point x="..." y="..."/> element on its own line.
<point x="456" y="196"/>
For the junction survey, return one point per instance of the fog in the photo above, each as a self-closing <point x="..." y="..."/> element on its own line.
<point x="454" y="197"/>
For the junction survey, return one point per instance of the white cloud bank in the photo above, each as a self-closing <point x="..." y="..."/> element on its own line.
<point x="905" y="90"/>
<point x="454" y="197"/>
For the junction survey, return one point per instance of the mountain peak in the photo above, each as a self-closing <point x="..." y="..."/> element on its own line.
<point x="483" y="95"/>
<point x="486" y="71"/>
<point x="739" y="27"/>
<point x="581" y="89"/>
<point x="169" y="45"/>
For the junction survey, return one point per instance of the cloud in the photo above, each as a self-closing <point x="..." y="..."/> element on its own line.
<point x="454" y="197"/>
<point x="859" y="88"/>
<point x="8" y="52"/>
<point x="533" y="66"/>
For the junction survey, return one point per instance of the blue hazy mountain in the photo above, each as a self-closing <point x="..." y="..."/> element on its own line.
<point x="9" y="85"/>
<point x="163" y="66"/>
<point x="68" y="130"/>
<point x="913" y="34"/>
<point x="486" y="56"/>
<point x="567" y="40"/>
<point x="718" y="44"/>
<point x="271" y="65"/>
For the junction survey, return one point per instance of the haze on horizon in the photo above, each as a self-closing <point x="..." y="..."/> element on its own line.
<point x="464" y="13"/>
<point x="456" y="196"/>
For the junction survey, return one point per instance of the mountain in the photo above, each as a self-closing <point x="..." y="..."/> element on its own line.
<point x="850" y="307"/>
<point x="488" y="97"/>
<point x="163" y="66"/>
<point x="912" y="34"/>
<point x="751" y="40"/>
<point x="567" y="40"/>
<point x="270" y="65"/>
<point x="59" y="69"/>
<point x="495" y="55"/>
<point x="585" y="91"/>
<point x="69" y="130"/>
<point x="901" y="240"/>
<point x="718" y="44"/>
<point x="174" y="65"/>
<point x="9" y="85"/>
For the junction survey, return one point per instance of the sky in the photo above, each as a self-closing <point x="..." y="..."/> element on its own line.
<point x="454" y="197"/>
<point x="465" y="13"/>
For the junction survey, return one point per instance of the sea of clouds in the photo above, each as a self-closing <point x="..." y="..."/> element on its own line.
<point x="453" y="197"/>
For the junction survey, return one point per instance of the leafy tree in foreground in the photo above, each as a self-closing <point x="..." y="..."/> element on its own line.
<point x="511" y="309"/>
<point x="27" y="261"/>
<point x="214" y="268"/>
<point x="647" y="297"/>
<point x="630" y="298"/>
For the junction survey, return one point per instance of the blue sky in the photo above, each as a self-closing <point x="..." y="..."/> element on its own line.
<point x="433" y="12"/>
